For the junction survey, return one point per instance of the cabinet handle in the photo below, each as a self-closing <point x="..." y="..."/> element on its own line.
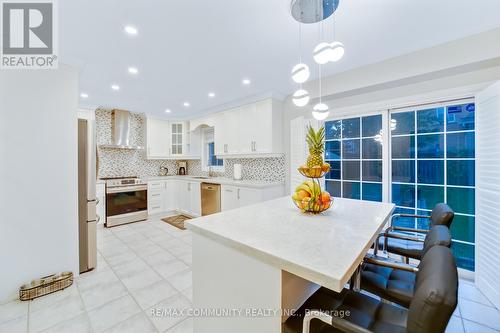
<point x="189" y="186"/>
<point x="238" y="194"/>
<point x="255" y="146"/>
<point x="155" y="195"/>
<point x="229" y="191"/>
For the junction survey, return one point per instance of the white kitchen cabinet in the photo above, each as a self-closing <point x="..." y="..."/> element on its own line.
<point x="195" y="198"/>
<point x="189" y="195"/>
<point x="240" y="196"/>
<point x="101" y="202"/>
<point x="177" y="138"/>
<point x="250" y="130"/>
<point x="156" y="197"/>
<point x="248" y="196"/>
<point x="229" y="197"/>
<point x="157" y="138"/>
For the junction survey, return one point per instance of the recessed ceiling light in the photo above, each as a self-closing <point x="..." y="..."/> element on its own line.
<point x="246" y="82"/>
<point x="133" y="70"/>
<point x="115" y="87"/>
<point x="84" y="95"/>
<point x="168" y="111"/>
<point x="131" y="30"/>
<point x="186" y="104"/>
<point x="211" y="94"/>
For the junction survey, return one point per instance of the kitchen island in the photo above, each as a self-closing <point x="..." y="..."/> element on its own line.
<point x="251" y="262"/>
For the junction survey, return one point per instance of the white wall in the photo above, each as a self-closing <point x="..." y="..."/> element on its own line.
<point x="452" y="70"/>
<point x="38" y="175"/>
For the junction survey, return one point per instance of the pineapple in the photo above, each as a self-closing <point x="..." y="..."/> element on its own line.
<point x="316" y="142"/>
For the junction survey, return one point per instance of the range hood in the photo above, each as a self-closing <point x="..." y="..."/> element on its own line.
<point x="120" y="131"/>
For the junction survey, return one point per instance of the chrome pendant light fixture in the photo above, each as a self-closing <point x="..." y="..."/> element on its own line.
<point x="315" y="11"/>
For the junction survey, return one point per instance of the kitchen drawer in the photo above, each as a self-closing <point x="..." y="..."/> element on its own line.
<point x="155" y="206"/>
<point x="155" y="185"/>
<point x="155" y="194"/>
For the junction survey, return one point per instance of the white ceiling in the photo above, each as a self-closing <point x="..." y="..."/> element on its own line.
<point x="188" y="48"/>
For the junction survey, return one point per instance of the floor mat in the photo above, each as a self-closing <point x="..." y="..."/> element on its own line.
<point x="177" y="221"/>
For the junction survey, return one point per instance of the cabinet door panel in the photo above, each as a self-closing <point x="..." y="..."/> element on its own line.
<point x="263" y="129"/>
<point x="195" y="199"/>
<point x="157" y="138"/>
<point x="249" y="196"/>
<point x="229" y="197"/>
<point x="220" y="134"/>
<point x="247" y="129"/>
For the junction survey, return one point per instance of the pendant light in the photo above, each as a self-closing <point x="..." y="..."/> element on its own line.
<point x="300" y="74"/>
<point x="323" y="53"/>
<point x="301" y="98"/>
<point x="320" y="110"/>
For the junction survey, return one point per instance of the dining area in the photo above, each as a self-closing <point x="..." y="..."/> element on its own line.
<point x="353" y="268"/>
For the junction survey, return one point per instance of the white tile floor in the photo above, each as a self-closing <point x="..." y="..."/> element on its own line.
<point x="145" y="266"/>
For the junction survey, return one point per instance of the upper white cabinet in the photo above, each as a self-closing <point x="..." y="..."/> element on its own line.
<point x="252" y="129"/>
<point x="157" y="138"/>
<point x="177" y="137"/>
<point x="170" y="140"/>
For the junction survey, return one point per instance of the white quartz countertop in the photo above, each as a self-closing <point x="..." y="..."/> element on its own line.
<point x="220" y="180"/>
<point x="324" y="248"/>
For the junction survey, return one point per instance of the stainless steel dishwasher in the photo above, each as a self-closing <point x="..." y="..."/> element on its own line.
<point x="210" y="198"/>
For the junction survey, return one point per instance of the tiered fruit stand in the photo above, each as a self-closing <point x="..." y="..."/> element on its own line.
<point x="319" y="200"/>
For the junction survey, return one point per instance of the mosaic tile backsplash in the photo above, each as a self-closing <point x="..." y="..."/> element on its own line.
<point x="120" y="162"/>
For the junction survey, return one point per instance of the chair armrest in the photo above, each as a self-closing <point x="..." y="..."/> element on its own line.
<point x="420" y="231"/>
<point x="342" y="324"/>
<point x="391" y="264"/>
<point x="404" y="237"/>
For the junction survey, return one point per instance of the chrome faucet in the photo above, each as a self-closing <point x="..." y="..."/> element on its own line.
<point x="210" y="172"/>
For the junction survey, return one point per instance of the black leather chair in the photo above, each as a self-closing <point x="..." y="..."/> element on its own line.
<point x="431" y="308"/>
<point x="394" y="281"/>
<point x="399" y="240"/>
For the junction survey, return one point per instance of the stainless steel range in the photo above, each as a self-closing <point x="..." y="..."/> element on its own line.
<point x="126" y="200"/>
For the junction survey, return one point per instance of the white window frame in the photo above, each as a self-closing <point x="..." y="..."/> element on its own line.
<point x="207" y="135"/>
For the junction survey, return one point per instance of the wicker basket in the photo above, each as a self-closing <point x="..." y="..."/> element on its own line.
<point x="46" y="285"/>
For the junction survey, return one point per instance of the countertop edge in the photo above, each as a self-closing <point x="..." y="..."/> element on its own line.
<point x="315" y="277"/>
<point x="228" y="181"/>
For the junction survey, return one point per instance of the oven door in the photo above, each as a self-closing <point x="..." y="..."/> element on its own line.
<point x="126" y="204"/>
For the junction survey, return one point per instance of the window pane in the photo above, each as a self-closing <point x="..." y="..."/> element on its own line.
<point x="462" y="228"/>
<point x="372" y="149"/>
<point x="352" y="190"/>
<point x="460" y="145"/>
<point x="403" y="171"/>
<point x="174" y="149"/>
<point x="403" y="147"/>
<point x="403" y="195"/>
<point x="332" y="129"/>
<point x="332" y="150"/>
<point x="423" y="223"/>
<point x="430" y="146"/>
<point x="372" y="192"/>
<point x="372" y="171"/>
<point x="403" y="123"/>
<point x="460" y="117"/>
<point x="406" y="222"/>
<point x="333" y="188"/>
<point x="429" y="196"/>
<point x="461" y="200"/>
<point x="430" y="172"/>
<point x="350" y="149"/>
<point x="350" y="128"/>
<point x="372" y="125"/>
<point x="464" y="255"/>
<point x="350" y="170"/>
<point x="430" y="121"/>
<point x="460" y="173"/>
<point x="334" y="172"/>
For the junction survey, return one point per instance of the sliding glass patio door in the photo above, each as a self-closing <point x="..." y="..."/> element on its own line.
<point x="414" y="157"/>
